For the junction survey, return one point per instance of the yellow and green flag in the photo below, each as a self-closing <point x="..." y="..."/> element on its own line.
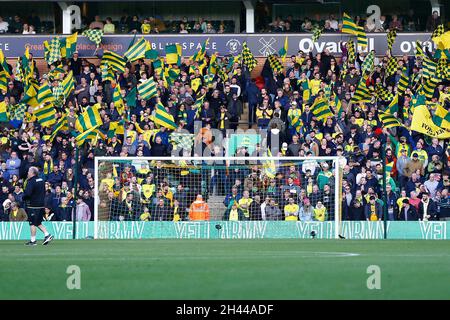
<point x="422" y="122"/>
<point x="164" y="118"/>
<point x="4" y="64"/>
<point x="45" y="115"/>
<point x="89" y="118"/>
<point x="283" y="51"/>
<point x="348" y="25"/>
<point x="45" y="94"/>
<point x="173" y="54"/>
<point x="136" y="50"/>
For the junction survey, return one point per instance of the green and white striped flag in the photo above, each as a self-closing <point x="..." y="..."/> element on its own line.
<point x="147" y="89"/>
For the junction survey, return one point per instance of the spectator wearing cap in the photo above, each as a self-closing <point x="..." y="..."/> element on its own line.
<point x="414" y="165"/>
<point x="408" y="212"/>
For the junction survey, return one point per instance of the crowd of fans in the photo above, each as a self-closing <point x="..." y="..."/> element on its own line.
<point x="408" y="22"/>
<point x="417" y="185"/>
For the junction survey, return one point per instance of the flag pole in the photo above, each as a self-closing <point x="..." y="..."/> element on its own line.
<point x="385" y="200"/>
<point x="75" y="193"/>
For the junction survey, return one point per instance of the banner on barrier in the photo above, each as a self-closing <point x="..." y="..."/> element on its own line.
<point x="230" y="44"/>
<point x="436" y="230"/>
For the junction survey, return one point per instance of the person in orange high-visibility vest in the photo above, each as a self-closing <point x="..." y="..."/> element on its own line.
<point x="199" y="210"/>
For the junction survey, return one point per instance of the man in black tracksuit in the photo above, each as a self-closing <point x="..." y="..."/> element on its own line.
<point x="34" y="197"/>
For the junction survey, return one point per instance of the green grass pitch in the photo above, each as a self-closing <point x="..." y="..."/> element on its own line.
<point x="226" y="269"/>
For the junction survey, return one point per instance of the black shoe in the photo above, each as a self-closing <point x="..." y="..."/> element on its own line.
<point x="47" y="239"/>
<point x="31" y="243"/>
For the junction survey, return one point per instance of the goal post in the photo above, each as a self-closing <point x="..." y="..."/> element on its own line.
<point x="179" y="189"/>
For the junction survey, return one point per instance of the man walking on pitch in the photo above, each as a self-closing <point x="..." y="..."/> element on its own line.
<point x="34" y="196"/>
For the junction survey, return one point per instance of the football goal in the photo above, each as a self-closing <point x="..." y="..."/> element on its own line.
<point x="180" y="189"/>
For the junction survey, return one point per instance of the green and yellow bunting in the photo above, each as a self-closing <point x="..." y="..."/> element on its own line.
<point x="388" y="120"/>
<point x="348" y="25"/>
<point x="45" y="115"/>
<point x="147" y="89"/>
<point x="164" y="118"/>
<point x="137" y="50"/>
<point x="173" y="54"/>
<point x="115" y="61"/>
<point x="45" y="94"/>
<point x="4" y="64"/>
<point x="88" y="119"/>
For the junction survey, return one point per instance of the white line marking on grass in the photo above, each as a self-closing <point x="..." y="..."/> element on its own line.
<point x="187" y="255"/>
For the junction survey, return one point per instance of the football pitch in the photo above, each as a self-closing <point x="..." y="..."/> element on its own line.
<point x="227" y="269"/>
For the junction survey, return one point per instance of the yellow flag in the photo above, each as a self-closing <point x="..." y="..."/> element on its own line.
<point x="443" y="41"/>
<point x="423" y="123"/>
<point x="195" y="83"/>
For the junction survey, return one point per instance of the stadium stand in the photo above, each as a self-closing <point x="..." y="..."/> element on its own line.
<point x="356" y="105"/>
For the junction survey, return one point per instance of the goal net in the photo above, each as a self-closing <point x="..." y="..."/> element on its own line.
<point x="182" y="189"/>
